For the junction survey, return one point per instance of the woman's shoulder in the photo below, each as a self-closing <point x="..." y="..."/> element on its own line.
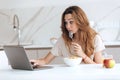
<point x="98" y="37"/>
<point x="98" y="40"/>
<point x="60" y="39"/>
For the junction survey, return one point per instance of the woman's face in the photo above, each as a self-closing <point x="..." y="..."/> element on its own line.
<point x="70" y="23"/>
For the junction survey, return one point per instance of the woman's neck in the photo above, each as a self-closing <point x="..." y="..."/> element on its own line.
<point x="76" y="37"/>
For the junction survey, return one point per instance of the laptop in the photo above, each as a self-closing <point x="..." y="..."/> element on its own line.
<point x="17" y="57"/>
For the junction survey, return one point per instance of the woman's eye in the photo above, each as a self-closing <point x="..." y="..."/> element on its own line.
<point x="71" y="22"/>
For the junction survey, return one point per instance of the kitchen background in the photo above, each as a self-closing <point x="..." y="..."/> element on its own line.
<point x="36" y="22"/>
<point x="40" y="23"/>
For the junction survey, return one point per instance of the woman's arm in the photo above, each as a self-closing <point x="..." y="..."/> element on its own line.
<point x="97" y="58"/>
<point x="49" y="58"/>
<point x="39" y="62"/>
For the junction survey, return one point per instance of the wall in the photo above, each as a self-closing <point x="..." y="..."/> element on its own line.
<point x="40" y="20"/>
<point x="38" y="23"/>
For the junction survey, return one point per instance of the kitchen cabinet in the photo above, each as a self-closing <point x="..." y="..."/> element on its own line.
<point x="115" y="51"/>
<point x="32" y="54"/>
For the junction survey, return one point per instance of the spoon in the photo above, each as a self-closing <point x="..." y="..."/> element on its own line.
<point x="71" y="35"/>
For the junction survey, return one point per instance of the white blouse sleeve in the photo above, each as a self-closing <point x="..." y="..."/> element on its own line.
<point x="99" y="45"/>
<point x="56" y="50"/>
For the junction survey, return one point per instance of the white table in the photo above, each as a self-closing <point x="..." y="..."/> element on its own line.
<point x="59" y="72"/>
<point x="62" y="72"/>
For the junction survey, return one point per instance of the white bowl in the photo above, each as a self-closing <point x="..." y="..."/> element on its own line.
<point x="72" y="61"/>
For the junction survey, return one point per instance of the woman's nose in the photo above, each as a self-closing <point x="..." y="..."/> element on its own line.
<point x="68" y="26"/>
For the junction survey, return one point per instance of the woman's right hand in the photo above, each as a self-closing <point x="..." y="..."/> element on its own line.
<point x="37" y="63"/>
<point x="78" y="50"/>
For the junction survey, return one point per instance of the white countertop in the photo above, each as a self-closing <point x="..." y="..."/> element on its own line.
<point x="112" y="43"/>
<point x="49" y="46"/>
<point x="59" y="72"/>
<point x="29" y="45"/>
<point x="62" y="72"/>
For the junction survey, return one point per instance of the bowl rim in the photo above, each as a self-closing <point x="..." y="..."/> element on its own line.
<point x="70" y="62"/>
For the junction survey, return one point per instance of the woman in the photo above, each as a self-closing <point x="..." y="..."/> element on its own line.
<point x="77" y="39"/>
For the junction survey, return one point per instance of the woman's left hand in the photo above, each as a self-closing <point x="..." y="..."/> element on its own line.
<point x="78" y="49"/>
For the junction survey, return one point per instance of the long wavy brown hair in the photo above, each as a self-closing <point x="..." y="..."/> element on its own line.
<point x="85" y="34"/>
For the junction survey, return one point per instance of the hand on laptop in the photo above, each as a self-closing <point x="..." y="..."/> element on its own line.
<point x="37" y="63"/>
